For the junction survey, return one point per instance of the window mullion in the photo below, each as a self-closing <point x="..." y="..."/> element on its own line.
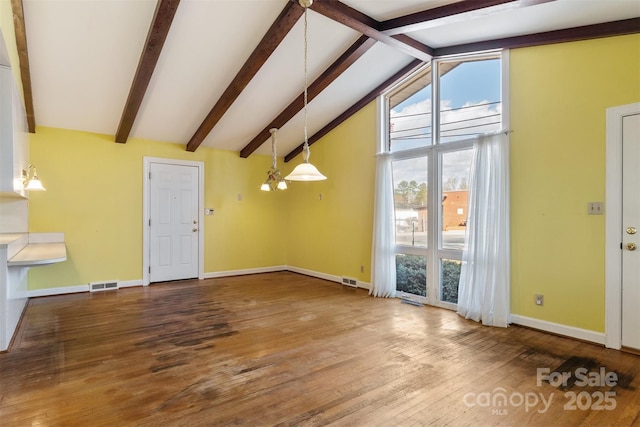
<point x="433" y="209"/>
<point x="435" y="103"/>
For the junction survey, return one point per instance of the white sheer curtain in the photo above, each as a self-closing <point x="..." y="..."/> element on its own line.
<point x="383" y="263"/>
<point x="483" y="294"/>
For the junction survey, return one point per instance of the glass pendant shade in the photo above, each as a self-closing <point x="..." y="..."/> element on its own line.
<point x="35" y="185"/>
<point x="305" y="172"/>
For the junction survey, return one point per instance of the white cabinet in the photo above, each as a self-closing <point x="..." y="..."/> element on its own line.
<point x="14" y="138"/>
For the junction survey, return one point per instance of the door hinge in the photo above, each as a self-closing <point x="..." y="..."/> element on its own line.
<point x="149" y="269"/>
<point x="149" y="175"/>
<point x="150" y="226"/>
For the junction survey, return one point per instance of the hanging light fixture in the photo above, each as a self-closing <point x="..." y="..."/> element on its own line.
<point x="30" y="180"/>
<point x="274" y="181"/>
<point x="305" y="171"/>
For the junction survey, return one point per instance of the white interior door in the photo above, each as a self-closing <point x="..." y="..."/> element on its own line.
<point x="631" y="231"/>
<point x="173" y="222"/>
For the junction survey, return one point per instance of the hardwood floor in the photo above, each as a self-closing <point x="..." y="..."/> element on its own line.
<point x="286" y="349"/>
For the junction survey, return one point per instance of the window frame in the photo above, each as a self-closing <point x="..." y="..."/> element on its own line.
<point x="433" y="153"/>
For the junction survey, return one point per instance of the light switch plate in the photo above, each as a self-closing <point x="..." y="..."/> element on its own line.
<point x="595" y="208"/>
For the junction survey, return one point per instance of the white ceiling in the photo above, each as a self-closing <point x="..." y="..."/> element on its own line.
<point x="84" y="53"/>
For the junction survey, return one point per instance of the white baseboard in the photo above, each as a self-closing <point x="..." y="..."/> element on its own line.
<point x="129" y="283"/>
<point x="75" y="289"/>
<point x="133" y="283"/>
<point x="556" y="328"/>
<point x="245" y="271"/>
<point x="330" y="277"/>
<point x="364" y="285"/>
<point x="316" y="274"/>
<point x="58" y="291"/>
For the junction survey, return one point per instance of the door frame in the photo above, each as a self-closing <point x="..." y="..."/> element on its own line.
<point x="146" y="214"/>
<point x="613" y="221"/>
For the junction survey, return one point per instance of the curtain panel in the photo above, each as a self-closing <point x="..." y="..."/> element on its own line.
<point x="383" y="263"/>
<point x="483" y="293"/>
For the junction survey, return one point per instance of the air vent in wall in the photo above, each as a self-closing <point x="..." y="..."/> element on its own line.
<point x="103" y="286"/>
<point x="347" y="281"/>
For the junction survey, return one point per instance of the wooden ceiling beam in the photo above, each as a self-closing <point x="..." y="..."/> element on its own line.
<point x="421" y="20"/>
<point x="274" y="36"/>
<point x="412" y="66"/>
<point x="345" y="15"/>
<point x="158" y="31"/>
<point x="23" y="57"/>
<point x="345" y="60"/>
<point x="606" y="29"/>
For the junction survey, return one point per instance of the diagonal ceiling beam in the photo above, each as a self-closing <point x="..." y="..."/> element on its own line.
<point x="350" y="56"/>
<point x="413" y="65"/>
<point x="274" y="36"/>
<point x="606" y="29"/>
<point x="368" y="26"/>
<point x="160" y="25"/>
<point x="421" y="20"/>
<point x="23" y="57"/>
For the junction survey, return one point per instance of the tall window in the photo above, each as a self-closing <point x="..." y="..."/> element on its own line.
<point x="432" y="118"/>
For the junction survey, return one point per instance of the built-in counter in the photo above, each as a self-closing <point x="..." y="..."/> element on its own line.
<point x="19" y="252"/>
<point x="41" y="249"/>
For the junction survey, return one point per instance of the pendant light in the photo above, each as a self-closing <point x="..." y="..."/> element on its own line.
<point x="305" y="171"/>
<point x="274" y="181"/>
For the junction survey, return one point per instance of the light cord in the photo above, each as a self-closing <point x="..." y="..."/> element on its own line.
<point x="305" y="149"/>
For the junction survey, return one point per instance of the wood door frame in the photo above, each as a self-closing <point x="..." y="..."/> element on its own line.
<point x="146" y="208"/>
<point x="613" y="221"/>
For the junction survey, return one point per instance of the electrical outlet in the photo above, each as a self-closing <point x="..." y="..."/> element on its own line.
<point x="539" y="299"/>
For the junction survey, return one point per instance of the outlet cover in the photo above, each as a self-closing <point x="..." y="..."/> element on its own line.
<point x="539" y="299"/>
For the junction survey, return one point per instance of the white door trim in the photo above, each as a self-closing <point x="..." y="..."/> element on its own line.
<point x="146" y="244"/>
<point x="613" y="221"/>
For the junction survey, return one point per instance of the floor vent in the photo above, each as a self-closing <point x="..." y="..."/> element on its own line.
<point x="411" y="302"/>
<point x="347" y="281"/>
<point x="103" y="286"/>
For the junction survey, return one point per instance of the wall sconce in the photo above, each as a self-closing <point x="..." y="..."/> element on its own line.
<point x="30" y="180"/>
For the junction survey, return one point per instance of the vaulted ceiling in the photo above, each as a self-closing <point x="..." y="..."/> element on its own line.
<point x="220" y="73"/>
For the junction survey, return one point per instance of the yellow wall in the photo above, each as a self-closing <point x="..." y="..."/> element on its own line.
<point x="559" y="94"/>
<point x="94" y="195"/>
<point x="333" y="235"/>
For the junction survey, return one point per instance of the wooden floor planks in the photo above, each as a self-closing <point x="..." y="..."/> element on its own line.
<point x="287" y="349"/>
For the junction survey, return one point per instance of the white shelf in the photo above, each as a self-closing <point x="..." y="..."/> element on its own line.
<point x="35" y="254"/>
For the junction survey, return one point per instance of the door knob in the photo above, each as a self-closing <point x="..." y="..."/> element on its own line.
<point x="631" y="246"/>
<point x="631" y="230"/>
<point x="195" y="229"/>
